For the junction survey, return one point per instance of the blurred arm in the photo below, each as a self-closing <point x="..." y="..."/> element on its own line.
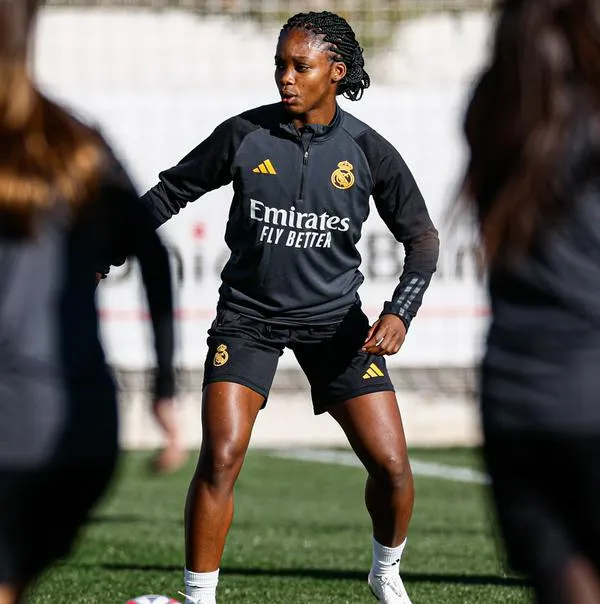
<point x="129" y="232"/>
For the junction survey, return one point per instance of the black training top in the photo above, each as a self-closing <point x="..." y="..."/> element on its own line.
<point x="53" y="374"/>
<point x="541" y="365"/>
<point x="300" y="200"/>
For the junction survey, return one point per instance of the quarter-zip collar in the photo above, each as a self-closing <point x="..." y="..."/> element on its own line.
<point x="320" y="132"/>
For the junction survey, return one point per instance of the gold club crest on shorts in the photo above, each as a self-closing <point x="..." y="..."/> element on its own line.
<point x="221" y="356"/>
<point x="343" y="177"/>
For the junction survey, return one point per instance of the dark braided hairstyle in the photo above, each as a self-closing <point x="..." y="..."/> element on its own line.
<point x="338" y="33"/>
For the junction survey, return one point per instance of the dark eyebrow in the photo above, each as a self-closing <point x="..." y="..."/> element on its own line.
<point x="296" y="58"/>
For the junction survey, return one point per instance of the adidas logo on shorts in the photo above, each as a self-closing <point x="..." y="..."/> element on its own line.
<point x="373" y="372"/>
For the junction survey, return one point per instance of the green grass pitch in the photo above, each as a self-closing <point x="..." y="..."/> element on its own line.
<point x="300" y="536"/>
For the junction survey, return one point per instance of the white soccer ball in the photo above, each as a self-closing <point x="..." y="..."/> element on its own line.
<point x="152" y="599"/>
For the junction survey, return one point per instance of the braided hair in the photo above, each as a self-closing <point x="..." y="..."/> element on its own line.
<point x="338" y="33"/>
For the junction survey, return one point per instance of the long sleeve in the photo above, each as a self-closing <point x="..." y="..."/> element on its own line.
<point x="126" y="229"/>
<point x="156" y="276"/>
<point x="205" y="168"/>
<point x="402" y="207"/>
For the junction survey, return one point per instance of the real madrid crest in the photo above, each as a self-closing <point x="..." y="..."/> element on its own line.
<point x="343" y="178"/>
<point x="221" y="356"/>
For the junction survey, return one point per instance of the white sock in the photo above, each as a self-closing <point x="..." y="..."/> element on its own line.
<point x="201" y="587"/>
<point x="386" y="560"/>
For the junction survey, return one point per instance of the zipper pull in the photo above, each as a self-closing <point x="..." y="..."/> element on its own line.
<point x="305" y="160"/>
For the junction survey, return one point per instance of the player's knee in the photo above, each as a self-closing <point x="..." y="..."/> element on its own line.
<point x="393" y="472"/>
<point x="220" y="463"/>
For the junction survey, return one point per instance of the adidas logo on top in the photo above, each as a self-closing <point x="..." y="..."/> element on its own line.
<point x="372" y="372"/>
<point x="265" y="167"/>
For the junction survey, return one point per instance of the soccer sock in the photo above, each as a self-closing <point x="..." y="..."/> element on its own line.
<point x="201" y="587"/>
<point x="386" y="560"/>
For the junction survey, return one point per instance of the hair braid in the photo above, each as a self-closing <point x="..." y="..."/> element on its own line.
<point x="337" y="32"/>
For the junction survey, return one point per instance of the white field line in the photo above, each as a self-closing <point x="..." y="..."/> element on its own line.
<point x="419" y="467"/>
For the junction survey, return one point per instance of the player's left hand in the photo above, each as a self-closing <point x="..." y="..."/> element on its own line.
<point x="386" y="336"/>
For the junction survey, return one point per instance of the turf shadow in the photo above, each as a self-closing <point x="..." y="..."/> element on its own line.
<point x="117" y="519"/>
<point x="335" y="574"/>
<point x="131" y="519"/>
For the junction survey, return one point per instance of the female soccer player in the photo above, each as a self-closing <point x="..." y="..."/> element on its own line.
<point x="533" y="128"/>
<point x="66" y="209"/>
<point x="303" y="171"/>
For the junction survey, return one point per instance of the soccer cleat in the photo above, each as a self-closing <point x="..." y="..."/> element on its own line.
<point x="388" y="589"/>
<point x="201" y="600"/>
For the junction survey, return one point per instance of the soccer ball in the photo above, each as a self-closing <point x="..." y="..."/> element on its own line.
<point x="152" y="600"/>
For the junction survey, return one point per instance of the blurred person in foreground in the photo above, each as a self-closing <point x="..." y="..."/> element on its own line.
<point x="303" y="172"/>
<point x="173" y="454"/>
<point x="66" y="209"/>
<point x="533" y="180"/>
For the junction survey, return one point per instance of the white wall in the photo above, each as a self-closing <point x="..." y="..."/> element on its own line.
<point x="159" y="82"/>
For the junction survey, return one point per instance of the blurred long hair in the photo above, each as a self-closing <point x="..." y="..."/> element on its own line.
<point x="539" y="94"/>
<point x="45" y="154"/>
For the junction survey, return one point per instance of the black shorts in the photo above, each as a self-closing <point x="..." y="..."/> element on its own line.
<point x="547" y="495"/>
<point x="41" y="512"/>
<point x="245" y="351"/>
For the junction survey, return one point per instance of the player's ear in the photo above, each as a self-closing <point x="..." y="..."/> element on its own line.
<point x="338" y="72"/>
